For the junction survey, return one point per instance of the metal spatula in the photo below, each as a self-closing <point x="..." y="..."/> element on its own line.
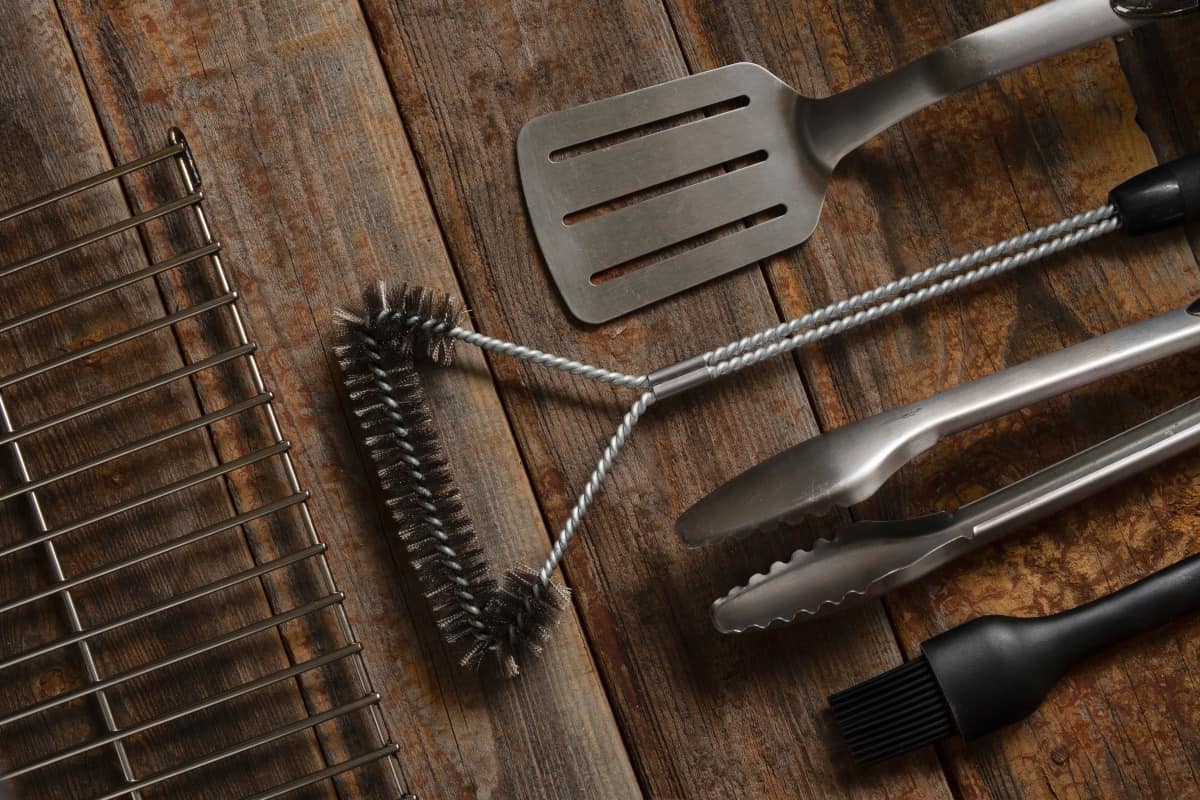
<point x="643" y="195"/>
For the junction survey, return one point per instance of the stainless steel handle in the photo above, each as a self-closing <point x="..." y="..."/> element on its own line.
<point x="841" y="123"/>
<point x="887" y="441"/>
<point x="1036" y="496"/>
<point x="859" y="457"/>
<point x="894" y="554"/>
<point x="1083" y="474"/>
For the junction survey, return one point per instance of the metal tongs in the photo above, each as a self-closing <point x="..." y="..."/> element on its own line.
<point x="847" y="465"/>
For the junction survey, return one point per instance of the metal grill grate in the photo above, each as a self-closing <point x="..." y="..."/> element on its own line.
<point x="168" y="622"/>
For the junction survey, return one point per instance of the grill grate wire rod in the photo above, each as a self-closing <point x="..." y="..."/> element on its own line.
<point x="67" y="587"/>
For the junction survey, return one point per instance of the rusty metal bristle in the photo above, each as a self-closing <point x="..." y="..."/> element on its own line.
<point x="380" y="352"/>
<point x="379" y="355"/>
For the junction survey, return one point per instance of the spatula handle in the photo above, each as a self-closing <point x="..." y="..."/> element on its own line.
<point x="843" y="122"/>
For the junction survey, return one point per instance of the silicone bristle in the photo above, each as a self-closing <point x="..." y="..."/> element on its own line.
<point x="893" y="713"/>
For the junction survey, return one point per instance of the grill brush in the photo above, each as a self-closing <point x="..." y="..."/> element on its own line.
<point x="380" y="361"/>
<point x="398" y="332"/>
<point x="993" y="671"/>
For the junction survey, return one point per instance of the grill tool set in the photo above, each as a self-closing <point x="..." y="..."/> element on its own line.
<point x="632" y="199"/>
<point x="401" y="330"/>
<point x="640" y="196"/>
<point x="637" y="197"/>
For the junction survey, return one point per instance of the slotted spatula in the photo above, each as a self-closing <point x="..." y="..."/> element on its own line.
<point x="637" y="197"/>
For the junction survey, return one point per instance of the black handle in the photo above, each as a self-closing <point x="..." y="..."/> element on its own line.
<point x="1153" y="601"/>
<point x="996" y="670"/>
<point x="1159" y="198"/>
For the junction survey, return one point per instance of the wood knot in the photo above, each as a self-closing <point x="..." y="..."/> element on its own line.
<point x="50" y="684"/>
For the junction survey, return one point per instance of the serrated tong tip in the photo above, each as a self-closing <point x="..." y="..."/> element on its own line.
<point x="864" y="560"/>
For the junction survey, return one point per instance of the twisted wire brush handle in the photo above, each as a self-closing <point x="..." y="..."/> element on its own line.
<point x="937" y="272"/>
<point x="784" y="338"/>
<point x="741" y="359"/>
<point x="511" y="620"/>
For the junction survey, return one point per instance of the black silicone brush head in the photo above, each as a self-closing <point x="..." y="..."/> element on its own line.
<point x="900" y="710"/>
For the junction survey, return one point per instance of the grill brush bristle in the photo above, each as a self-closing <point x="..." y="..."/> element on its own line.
<point x="379" y="356"/>
<point x="520" y="617"/>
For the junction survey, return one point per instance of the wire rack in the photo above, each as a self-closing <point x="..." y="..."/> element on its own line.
<point x="168" y="622"/>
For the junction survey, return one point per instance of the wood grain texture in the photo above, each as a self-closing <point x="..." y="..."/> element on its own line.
<point x="343" y="144"/>
<point x="704" y="716"/>
<point x="1021" y="152"/>
<point x="316" y="194"/>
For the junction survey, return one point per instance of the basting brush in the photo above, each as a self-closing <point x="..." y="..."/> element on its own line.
<point x="993" y="671"/>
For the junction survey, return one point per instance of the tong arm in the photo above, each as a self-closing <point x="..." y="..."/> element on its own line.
<point x="847" y="465"/>
<point x="869" y="559"/>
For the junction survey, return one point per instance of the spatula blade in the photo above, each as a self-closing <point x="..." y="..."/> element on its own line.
<point x="637" y="197"/>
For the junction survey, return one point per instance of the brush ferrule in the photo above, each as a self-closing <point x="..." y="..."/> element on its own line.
<point x="679" y="378"/>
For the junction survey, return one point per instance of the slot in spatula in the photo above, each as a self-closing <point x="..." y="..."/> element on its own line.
<point x="637" y="197"/>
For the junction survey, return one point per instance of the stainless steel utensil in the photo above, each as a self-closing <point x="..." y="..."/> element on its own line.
<point x="868" y="559"/>
<point x="1154" y="9"/>
<point x="847" y="465"/>
<point x="640" y="196"/>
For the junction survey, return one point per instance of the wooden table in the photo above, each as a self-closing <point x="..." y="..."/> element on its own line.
<point x="343" y="143"/>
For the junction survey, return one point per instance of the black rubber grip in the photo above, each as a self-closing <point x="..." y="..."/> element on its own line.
<point x="996" y="670"/>
<point x="1160" y="198"/>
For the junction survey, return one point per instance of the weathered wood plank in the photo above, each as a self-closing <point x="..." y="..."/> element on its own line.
<point x="1022" y="152"/>
<point x="51" y="138"/>
<point x="704" y="716"/>
<point x="315" y="194"/>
